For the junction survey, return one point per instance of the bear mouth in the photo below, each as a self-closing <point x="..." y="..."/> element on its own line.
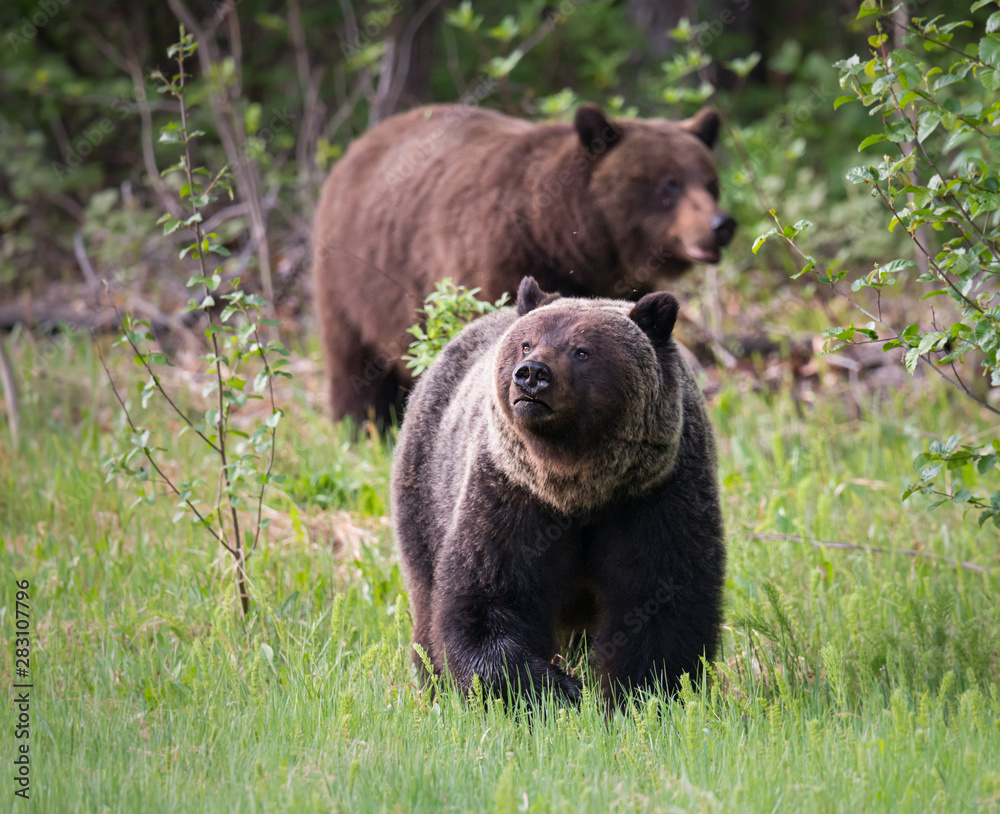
<point x="702" y="255"/>
<point x="525" y="404"/>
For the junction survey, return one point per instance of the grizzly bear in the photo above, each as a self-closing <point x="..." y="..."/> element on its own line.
<point x="556" y="474"/>
<point x="594" y="208"/>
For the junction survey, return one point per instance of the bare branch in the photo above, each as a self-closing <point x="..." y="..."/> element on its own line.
<point x="9" y="391"/>
<point x="928" y="555"/>
<point x="149" y="457"/>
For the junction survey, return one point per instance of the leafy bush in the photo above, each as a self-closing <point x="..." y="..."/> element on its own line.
<point x="937" y="180"/>
<point x="447" y="310"/>
<point x="236" y="342"/>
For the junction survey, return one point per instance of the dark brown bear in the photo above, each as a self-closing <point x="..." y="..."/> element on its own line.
<point x="595" y="208"/>
<point x="556" y="473"/>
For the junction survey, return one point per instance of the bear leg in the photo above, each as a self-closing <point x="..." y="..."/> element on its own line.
<point x="506" y="643"/>
<point x="660" y="594"/>
<point x="362" y="383"/>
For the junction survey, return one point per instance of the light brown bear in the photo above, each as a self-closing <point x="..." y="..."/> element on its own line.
<point x="556" y="472"/>
<point x="605" y="208"/>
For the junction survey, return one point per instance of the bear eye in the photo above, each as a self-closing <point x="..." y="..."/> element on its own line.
<point x="668" y="191"/>
<point x="525" y="348"/>
<point x="581" y="353"/>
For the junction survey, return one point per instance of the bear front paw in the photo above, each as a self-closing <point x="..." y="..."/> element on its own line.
<point x="564" y="687"/>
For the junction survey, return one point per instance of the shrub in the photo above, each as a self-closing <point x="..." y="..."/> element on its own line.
<point x="934" y="93"/>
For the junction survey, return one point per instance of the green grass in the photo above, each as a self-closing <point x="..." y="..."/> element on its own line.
<point x="849" y="680"/>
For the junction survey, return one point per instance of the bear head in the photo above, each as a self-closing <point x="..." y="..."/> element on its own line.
<point x="655" y="184"/>
<point x="587" y="396"/>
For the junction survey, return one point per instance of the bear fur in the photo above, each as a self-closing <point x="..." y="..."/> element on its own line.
<point x="594" y="208"/>
<point x="556" y="473"/>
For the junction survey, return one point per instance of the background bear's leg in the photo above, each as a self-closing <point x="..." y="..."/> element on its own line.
<point x="344" y="356"/>
<point x="363" y="383"/>
<point x="388" y="396"/>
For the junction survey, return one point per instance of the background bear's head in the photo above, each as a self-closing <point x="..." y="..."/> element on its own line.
<point x="587" y="394"/>
<point x="657" y="189"/>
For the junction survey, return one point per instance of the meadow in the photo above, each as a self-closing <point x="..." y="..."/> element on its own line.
<point x="859" y="668"/>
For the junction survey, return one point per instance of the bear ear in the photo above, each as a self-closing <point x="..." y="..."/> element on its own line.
<point x="596" y="133"/>
<point x="530" y="296"/>
<point x="656" y="314"/>
<point x="705" y="125"/>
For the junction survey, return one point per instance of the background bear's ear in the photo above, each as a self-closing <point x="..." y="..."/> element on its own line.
<point x="656" y="314"/>
<point x="705" y="125"/>
<point x="597" y="134"/>
<point x="530" y="296"/>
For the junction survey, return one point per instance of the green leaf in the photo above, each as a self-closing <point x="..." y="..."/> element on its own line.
<point x="928" y="123"/>
<point x="899" y="130"/>
<point x="843" y="100"/>
<point x="931" y="472"/>
<point x="910" y="359"/>
<point x="989" y="51"/>
<point x="993" y="23"/>
<point x="928" y="342"/>
<point x="809" y="266"/>
<point x="990" y="77"/>
<point x="235" y="398"/>
<point x="742" y="67"/>
<point x="170" y="133"/>
<point x="860" y="175"/>
<point x="157" y="358"/>
<point x="896" y="265"/>
<point x="875" y="138"/>
<point x="761" y="240"/>
<point x="868" y="8"/>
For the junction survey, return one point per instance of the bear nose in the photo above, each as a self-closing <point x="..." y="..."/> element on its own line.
<point x="532" y="377"/>
<point x="723" y="226"/>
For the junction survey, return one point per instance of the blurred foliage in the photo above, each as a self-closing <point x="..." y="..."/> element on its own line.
<point x="447" y="309"/>
<point x="931" y="82"/>
<point x="301" y="82"/>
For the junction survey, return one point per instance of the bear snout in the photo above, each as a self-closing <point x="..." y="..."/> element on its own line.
<point x="723" y="226"/>
<point x="532" y="377"/>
